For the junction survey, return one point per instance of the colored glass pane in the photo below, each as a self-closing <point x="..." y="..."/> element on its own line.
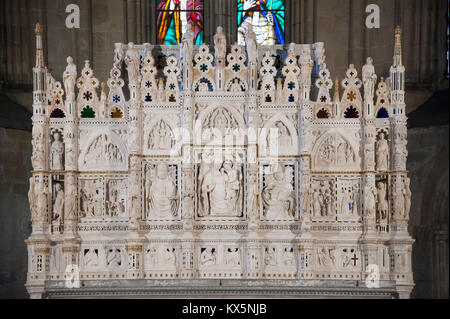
<point x="173" y="17"/>
<point x="265" y="17"/>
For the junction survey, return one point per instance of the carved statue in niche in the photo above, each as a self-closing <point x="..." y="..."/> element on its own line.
<point x="187" y="41"/>
<point x="270" y="258"/>
<point x="233" y="257"/>
<point x="70" y="78"/>
<point x="318" y="200"/>
<point x="114" y="258"/>
<point x="135" y="191"/>
<point x="91" y="257"/>
<point x="188" y="197"/>
<point x="91" y="197"/>
<point x="161" y="137"/>
<point x="132" y="60"/>
<point x="382" y="153"/>
<point x="41" y="200"/>
<point x="253" y="197"/>
<point x="369" y="201"/>
<point x="170" y="258"/>
<point x="208" y="257"/>
<point x="57" y="153"/>
<point x="32" y="197"/>
<point x="101" y="150"/>
<point x="407" y="195"/>
<point x="398" y="198"/>
<point x="382" y="209"/>
<point x="162" y="192"/>
<point x="221" y="188"/>
<point x="71" y="198"/>
<point x="115" y="202"/>
<point x="58" y="205"/>
<point x="369" y="79"/>
<point x="220" y="43"/>
<point x="278" y="194"/>
<point x="288" y="256"/>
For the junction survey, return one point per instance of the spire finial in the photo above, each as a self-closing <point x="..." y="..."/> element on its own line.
<point x="39" y="53"/>
<point x="398" y="46"/>
<point x="38" y="29"/>
<point x="336" y="90"/>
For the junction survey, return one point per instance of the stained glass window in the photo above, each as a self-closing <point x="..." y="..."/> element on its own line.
<point x="173" y="17"/>
<point x="266" y="17"/>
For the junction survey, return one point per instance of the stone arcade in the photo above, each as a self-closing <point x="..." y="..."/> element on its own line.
<point x="219" y="171"/>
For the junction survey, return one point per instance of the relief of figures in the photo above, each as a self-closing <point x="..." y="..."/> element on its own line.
<point x="220" y="186"/>
<point x="335" y="150"/>
<point x="278" y="195"/>
<point x="217" y="124"/>
<point x="349" y="198"/>
<point x="208" y="257"/>
<point x="233" y="257"/>
<point x="288" y="257"/>
<point x="91" y="257"/>
<point x="326" y="257"/>
<point x="382" y="153"/>
<point x="161" y="137"/>
<point x="57" y="153"/>
<point x="270" y="256"/>
<point x="170" y="258"/>
<point x="42" y="192"/>
<point x="116" y="190"/>
<point x="114" y="258"/>
<point x="161" y="190"/>
<point x="382" y="207"/>
<point x="151" y="257"/>
<point x="58" y="205"/>
<point x="323" y="199"/>
<point x="91" y="198"/>
<point x="103" y="150"/>
<point x="284" y="138"/>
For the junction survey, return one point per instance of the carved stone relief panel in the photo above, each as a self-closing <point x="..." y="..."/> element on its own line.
<point x="162" y="185"/>
<point x="116" y="198"/>
<point x="334" y="152"/>
<point x="322" y="198"/>
<point x="220" y="184"/>
<point x="161" y="134"/>
<point x="91" y="194"/>
<point x="279" y="190"/>
<point x="161" y="257"/>
<point x="102" y="152"/>
<point x="348" y="198"/>
<point x="221" y="260"/>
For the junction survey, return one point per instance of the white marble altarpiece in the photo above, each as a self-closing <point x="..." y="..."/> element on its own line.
<point x="219" y="162"/>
